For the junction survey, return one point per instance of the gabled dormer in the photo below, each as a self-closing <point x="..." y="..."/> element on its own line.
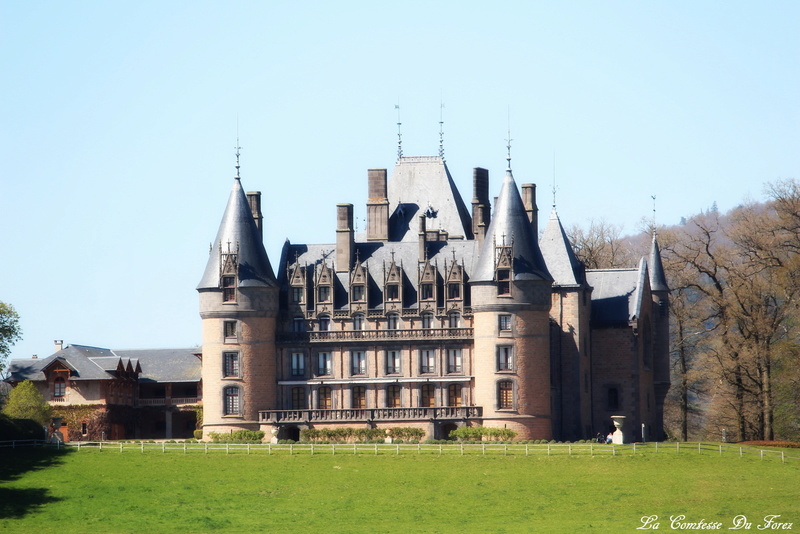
<point x="454" y="286"/>
<point x="323" y="289"/>
<point x="427" y="287"/>
<point x="359" y="278"/>
<point x="296" y="274"/>
<point x="228" y="272"/>
<point x="504" y="267"/>
<point x="393" y="287"/>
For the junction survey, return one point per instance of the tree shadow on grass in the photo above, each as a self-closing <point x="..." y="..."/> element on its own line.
<point x="14" y="463"/>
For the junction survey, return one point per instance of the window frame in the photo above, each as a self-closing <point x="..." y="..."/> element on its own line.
<point x="455" y="361"/>
<point x="231" y="364"/>
<point x="232" y="401"/>
<point x="394" y="396"/>
<point x="324" y="363"/>
<point x="324" y="293"/>
<point x="228" y="285"/>
<point x="59" y="387"/>
<point x="358" y="398"/>
<point x="505" y="395"/>
<point x="298" y="364"/>
<point x="455" y="399"/>
<point x="324" y="393"/>
<point x="393" y="361"/>
<point x="504" y="322"/>
<point x="358" y="362"/>
<point x="299" y="398"/>
<point x="505" y="358"/>
<point x="427" y="396"/>
<point x="427" y="361"/>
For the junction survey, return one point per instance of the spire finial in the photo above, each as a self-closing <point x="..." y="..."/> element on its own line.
<point x="238" y="148"/>
<point x="399" y="135"/>
<point x="508" y="140"/>
<point x="654" y="215"/>
<point x="441" y="130"/>
<point x="554" y="180"/>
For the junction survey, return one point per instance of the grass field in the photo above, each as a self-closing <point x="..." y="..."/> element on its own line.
<point x="112" y="492"/>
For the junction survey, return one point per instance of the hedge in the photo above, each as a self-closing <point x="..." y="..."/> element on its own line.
<point x="361" y="435"/>
<point x="482" y="433"/>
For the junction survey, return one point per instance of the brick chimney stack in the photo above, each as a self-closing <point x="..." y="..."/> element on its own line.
<point x="377" y="206"/>
<point x="481" y="210"/>
<point x="345" y="238"/>
<point x="531" y="210"/>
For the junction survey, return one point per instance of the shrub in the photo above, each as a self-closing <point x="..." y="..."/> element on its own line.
<point x="482" y="433"/>
<point x="237" y="436"/>
<point x="198" y="434"/>
<point x="361" y="435"/>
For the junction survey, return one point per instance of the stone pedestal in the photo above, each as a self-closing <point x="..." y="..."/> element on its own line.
<point x="618" y="437"/>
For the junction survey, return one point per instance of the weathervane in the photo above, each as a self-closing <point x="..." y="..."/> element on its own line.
<point x="238" y="148"/>
<point x="654" y="214"/>
<point x="554" y="179"/>
<point x="441" y="130"/>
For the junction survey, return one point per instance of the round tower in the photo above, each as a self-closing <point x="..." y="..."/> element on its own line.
<point x="659" y="290"/>
<point x="511" y="299"/>
<point x="238" y="307"/>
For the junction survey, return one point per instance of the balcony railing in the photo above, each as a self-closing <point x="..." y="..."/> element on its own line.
<point x="373" y="335"/>
<point x="175" y="401"/>
<point x="370" y="414"/>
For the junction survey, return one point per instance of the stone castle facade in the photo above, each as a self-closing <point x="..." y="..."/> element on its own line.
<point x="438" y="316"/>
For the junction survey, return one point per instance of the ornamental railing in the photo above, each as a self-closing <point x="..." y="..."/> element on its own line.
<point x="174" y="401"/>
<point x="433" y="334"/>
<point x="370" y="414"/>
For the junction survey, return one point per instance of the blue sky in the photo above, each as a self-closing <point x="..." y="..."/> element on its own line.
<point x="119" y="121"/>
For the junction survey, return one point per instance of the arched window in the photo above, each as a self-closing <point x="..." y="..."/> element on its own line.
<point x="454" y="395"/>
<point x="393" y="397"/>
<point x="505" y="395"/>
<point x="427" y="396"/>
<point x="324" y="401"/>
<point x="359" y="400"/>
<point x="232" y="401"/>
<point x="59" y="387"/>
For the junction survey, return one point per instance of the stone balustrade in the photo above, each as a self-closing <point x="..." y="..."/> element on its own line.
<point x="370" y="414"/>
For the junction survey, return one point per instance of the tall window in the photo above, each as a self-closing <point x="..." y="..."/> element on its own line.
<point x="297" y="294"/>
<point x="393" y="397"/>
<point x="426" y="291"/>
<point x="392" y="362"/>
<point x="324" y="398"/>
<point x="229" y="331"/>
<point x="453" y="290"/>
<point x="454" y="364"/>
<point x="392" y="292"/>
<point x="231" y="360"/>
<point x="392" y="321"/>
<point x="357" y="293"/>
<point x="299" y="398"/>
<point x="358" y="322"/>
<point x="324" y="323"/>
<point x="454" y="395"/>
<point x="613" y="398"/>
<point x="228" y="289"/>
<point x="503" y="282"/>
<point x="298" y="324"/>
<point x="323" y="294"/>
<point x="232" y="400"/>
<point x="324" y="363"/>
<point x="504" y="323"/>
<point x="427" y="396"/>
<point x="298" y="364"/>
<point x="358" y="361"/>
<point x="505" y="395"/>
<point x="505" y="358"/>
<point x="454" y="320"/>
<point x="427" y="320"/>
<point x="359" y="400"/>
<point x="427" y="361"/>
<point x="59" y="387"/>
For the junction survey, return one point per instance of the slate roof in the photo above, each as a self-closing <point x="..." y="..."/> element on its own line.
<point x="658" y="280"/>
<point x="95" y="363"/>
<point x="510" y="222"/>
<point x="618" y="293"/>
<point x="558" y="255"/>
<point x="238" y="229"/>
<point x="422" y="184"/>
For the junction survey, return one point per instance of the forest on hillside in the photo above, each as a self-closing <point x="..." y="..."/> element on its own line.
<point x="735" y="314"/>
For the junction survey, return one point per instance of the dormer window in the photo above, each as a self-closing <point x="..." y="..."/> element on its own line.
<point x="324" y="293"/>
<point x="503" y="281"/>
<point x="59" y="387"/>
<point x="426" y="291"/>
<point x="228" y="289"/>
<point x="454" y="290"/>
<point x="357" y="293"/>
<point x="297" y="294"/>
<point x="392" y="292"/>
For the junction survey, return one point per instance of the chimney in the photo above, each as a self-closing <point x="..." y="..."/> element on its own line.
<point x="59" y="343"/>
<point x="254" y="199"/>
<point x="345" y="241"/>
<point x="377" y="206"/>
<point x="529" y="200"/>
<point x="481" y="211"/>
<point x="423" y="238"/>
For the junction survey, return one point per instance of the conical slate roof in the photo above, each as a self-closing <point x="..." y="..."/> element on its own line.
<point x="238" y="229"/>
<point x="658" y="280"/>
<point x="558" y="254"/>
<point x="510" y="223"/>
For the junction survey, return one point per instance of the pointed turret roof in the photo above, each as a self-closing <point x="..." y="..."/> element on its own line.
<point x="558" y="254"/>
<point x="239" y="234"/>
<point x="509" y="225"/>
<point x="658" y="280"/>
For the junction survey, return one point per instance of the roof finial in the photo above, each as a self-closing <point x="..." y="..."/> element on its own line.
<point x="654" y="215"/>
<point x="399" y="135"/>
<point x="508" y="140"/>
<point x="238" y="148"/>
<point x="554" y="180"/>
<point x="441" y="130"/>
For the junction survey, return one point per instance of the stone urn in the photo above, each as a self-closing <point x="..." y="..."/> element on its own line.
<point x="274" y="431"/>
<point x="618" y="437"/>
<point x="56" y="436"/>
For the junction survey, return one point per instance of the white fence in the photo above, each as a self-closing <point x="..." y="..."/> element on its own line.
<point x="463" y="449"/>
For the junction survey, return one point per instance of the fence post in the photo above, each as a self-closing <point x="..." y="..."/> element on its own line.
<point x="783" y="458"/>
<point x="569" y="448"/>
<point x="634" y="447"/>
<point x="312" y="448"/>
<point x="613" y="450"/>
<point x="720" y="449"/>
<point x="120" y="446"/>
<point x="656" y="446"/>
<point x="184" y="447"/>
<point x="269" y="449"/>
<point x="142" y="446"/>
<point x="548" y="449"/>
<point x="591" y="449"/>
<point x="163" y="447"/>
<point x="206" y="447"/>
<point x="526" y="449"/>
<point x="741" y="453"/>
<point x="291" y="447"/>
<point x="462" y="448"/>
<point x="762" y="454"/>
<point x="698" y="446"/>
<point x="248" y="448"/>
<point x="376" y="449"/>
<point x="333" y="449"/>
<point x="227" y="448"/>
<point x="398" y="449"/>
<point x="677" y="446"/>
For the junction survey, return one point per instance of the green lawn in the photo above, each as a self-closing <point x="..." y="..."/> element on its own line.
<point x="109" y="492"/>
